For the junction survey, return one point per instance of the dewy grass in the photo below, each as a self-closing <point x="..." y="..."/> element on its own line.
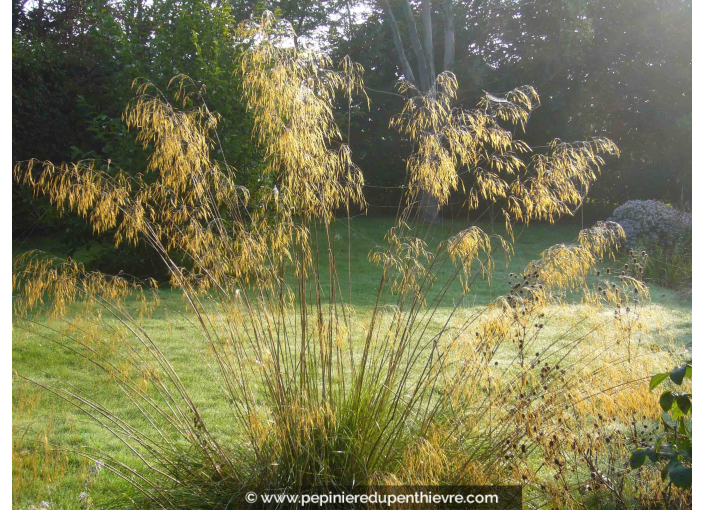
<point x="300" y="382"/>
<point x="39" y="360"/>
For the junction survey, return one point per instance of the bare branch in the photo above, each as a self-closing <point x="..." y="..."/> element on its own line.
<point x="417" y="47"/>
<point x="428" y="39"/>
<point x="398" y="43"/>
<point x="384" y="92"/>
<point x="449" y="23"/>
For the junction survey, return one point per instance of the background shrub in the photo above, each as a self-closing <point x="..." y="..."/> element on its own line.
<point x="652" y="221"/>
<point x="665" y="233"/>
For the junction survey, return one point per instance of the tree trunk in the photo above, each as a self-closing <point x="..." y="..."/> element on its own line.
<point x="417" y="48"/>
<point x="428" y="204"/>
<point x="405" y="65"/>
<point x="429" y="210"/>
<point x="449" y="24"/>
<point x="428" y="39"/>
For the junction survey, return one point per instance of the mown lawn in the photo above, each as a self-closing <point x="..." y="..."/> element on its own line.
<point x="40" y="419"/>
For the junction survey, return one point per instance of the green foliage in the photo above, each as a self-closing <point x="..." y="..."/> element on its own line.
<point x="69" y="95"/>
<point x="665" y="234"/>
<point x="671" y="265"/>
<point x="673" y="448"/>
<point x="602" y="67"/>
<point x="575" y="52"/>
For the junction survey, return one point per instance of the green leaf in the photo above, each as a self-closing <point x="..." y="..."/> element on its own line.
<point x="681" y="476"/>
<point x="681" y="427"/>
<point x="687" y="452"/>
<point x="656" y="380"/>
<point x="666" y="400"/>
<point x="638" y="458"/>
<point x="668" y="421"/>
<point x="668" y="454"/>
<point x="688" y="426"/>
<point x="688" y="372"/>
<point x="684" y="403"/>
<point x="666" y="470"/>
<point x="677" y="374"/>
<point x="676" y="412"/>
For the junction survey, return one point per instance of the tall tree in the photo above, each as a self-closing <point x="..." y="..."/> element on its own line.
<point x="424" y="52"/>
<point x="72" y="82"/>
<point x="617" y="68"/>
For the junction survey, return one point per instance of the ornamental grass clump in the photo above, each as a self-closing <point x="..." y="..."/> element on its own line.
<point x="420" y="388"/>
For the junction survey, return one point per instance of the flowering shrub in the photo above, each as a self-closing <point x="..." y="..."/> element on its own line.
<point x="651" y="221"/>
